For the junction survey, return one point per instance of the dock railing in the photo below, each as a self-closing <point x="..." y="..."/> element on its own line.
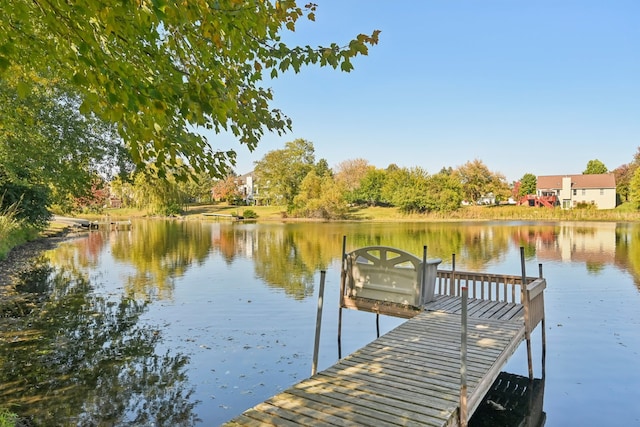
<point x="484" y="286"/>
<point x="502" y="288"/>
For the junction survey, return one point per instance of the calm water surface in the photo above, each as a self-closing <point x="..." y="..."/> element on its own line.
<point x="190" y="323"/>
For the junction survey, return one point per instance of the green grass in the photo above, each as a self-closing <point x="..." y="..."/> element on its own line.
<point x="7" y="418"/>
<point x="507" y="213"/>
<point x="624" y="212"/>
<point x="10" y="230"/>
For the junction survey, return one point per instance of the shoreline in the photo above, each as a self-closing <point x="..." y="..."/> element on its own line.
<point x="20" y="258"/>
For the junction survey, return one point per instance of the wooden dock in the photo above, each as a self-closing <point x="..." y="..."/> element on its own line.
<point x="411" y="376"/>
<point x="92" y="225"/>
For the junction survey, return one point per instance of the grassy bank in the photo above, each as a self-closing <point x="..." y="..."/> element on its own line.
<point x="468" y="213"/>
<point x="13" y="232"/>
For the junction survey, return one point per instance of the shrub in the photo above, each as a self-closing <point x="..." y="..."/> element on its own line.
<point x="249" y="214"/>
<point x="29" y="202"/>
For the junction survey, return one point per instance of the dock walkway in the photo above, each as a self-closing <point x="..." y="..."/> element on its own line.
<point x="411" y="376"/>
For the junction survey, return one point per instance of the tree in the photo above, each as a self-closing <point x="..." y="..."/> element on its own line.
<point x="624" y="174"/>
<point x="319" y="197"/>
<point x="349" y="173"/>
<point x="595" y="167"/>
<point x="408" y="189"/>
<point x="227" y="189"/>
<point x="164" y="196"/>
<point x="322" y="168"/>
<point x="445" y="191"/>
<point x="280" y="172"/>
<point x="634" y="189"/>
<point x="528" y="184"/>
<point x="370" y="190"/>
<point x="477" y="180"/>
<point x="163" y="70"/>
<point x="199" y="187"/>
<point x="44" y="141"/>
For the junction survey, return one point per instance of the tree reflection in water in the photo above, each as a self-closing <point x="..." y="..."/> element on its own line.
<point x="73" y="357"/>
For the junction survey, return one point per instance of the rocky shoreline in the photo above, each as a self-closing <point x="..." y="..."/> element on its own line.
<point x="21" y="258"/>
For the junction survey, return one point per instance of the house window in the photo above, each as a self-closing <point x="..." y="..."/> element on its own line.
<point x="575" y="192"/>
<point x="602" y="191"/>
<point x="584" y="192"/>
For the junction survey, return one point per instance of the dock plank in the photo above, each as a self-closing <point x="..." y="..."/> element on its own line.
<point x="409" y="376"/>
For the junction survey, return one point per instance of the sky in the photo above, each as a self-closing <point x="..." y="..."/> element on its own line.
<point x="537" y="87"/>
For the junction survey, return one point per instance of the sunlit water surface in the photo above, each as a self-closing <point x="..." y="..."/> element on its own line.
<point x="191" y="323"/>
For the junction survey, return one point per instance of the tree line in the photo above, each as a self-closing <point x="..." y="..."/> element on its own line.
<point x="94" y="105"/>
<point x="291" y="177"/>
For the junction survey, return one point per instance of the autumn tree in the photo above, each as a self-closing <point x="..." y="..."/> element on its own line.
<point x="163" y="71"/>
<point x="477" y="180"/>
<point x="349" y="173"/>
<point x="595" y="167"/>
<point x="226" y="189"/>
<point x="280" y="172"/>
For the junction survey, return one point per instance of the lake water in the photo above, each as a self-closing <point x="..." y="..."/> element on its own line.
<point x="176" y="323"/>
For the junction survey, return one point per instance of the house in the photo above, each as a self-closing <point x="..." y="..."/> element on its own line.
<point x="246" y="187"/>
<point x="571" y="190"/>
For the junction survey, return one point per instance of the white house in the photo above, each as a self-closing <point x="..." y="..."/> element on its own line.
<point x="247" y="188"/>
<point x="571" y="190"/>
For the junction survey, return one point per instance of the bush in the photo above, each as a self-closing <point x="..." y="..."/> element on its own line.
<point x="30" y="202"/>
<point x="172" y="209"/>
<point x="249" y="214"/>
<point x="585" y="205"/>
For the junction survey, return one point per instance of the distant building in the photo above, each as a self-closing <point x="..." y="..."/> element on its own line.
<point x="246" y="187"/>
<point x="594" y="189"/>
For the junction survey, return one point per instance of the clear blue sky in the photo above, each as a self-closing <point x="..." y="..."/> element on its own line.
<point x="536" y="87"/>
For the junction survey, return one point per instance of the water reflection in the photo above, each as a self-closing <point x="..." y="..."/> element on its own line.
<point x="513" y="400"/>
<point x="238" y="300"/>
<point x="286" y="256"/>
<point x="71" y="357"/>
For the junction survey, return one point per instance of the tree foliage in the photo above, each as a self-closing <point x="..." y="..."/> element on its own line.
<point x="162" y="70"/>
<point x="28" y="201"/>
<point x="322" y="168"/>
<point x="45" y="142"/>
<point x="477" y="180"/>
<point x="413" y="190"/>
<point x="634" y="189"/>
<point x="319" y="197"/>
<point x="528" y="184"/>
<point x="349" y="173"/>
<point x="280" y="172"/>
<point x="624" y="174"/>
<point x="370" y="190"/>
<point x="227" y="189"/>
<point x="595" y="167"/>
<point x="445" y="191"/>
